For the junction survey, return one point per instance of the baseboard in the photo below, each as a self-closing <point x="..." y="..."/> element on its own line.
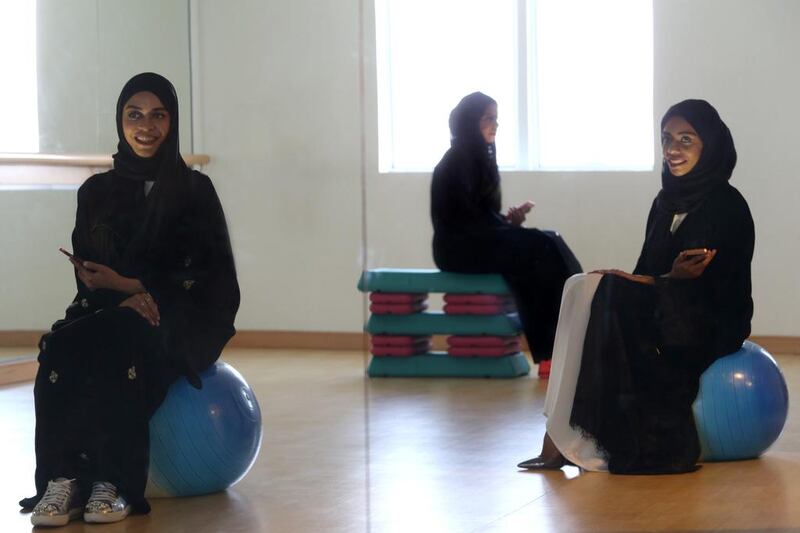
<point x="778" y="344"/>
<point x="20" y="338"/>
<point x="311" y="340"/>
<point x="345" y="340"/>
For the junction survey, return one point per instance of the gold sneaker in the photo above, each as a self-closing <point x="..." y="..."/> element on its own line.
<point x="59" y="505"/>
<point x="105" y="504"/>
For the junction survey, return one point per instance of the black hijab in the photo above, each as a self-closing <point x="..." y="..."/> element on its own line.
<point x="465" y="135"/>
<point x="167" y="161"/>
<point x="682" y="194"/>
<point x="167" y="201"/>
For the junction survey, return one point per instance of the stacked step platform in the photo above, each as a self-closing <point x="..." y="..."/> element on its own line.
<point x="478" y="315"/>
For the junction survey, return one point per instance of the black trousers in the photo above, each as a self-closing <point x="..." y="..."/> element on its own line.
<point x="98" y="383"/>
<point x="534" y="263"/>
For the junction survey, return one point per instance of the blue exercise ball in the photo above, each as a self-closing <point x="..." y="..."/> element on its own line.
<point x="741" y="406"/>
<point x="205" y="440"/>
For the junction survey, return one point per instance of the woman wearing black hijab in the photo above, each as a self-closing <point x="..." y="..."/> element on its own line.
<point x="651" y="334"/>
<point x="157" y="297"/>
<point x="472" y="236"/>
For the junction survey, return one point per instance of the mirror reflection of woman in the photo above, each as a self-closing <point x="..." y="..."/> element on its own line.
<point x="157" y="296"/>
<point x="471" y="235"/>
<point x="624" y="403"/>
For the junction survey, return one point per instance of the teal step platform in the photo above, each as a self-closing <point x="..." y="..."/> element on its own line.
<point x="436" y="322"/>
<point x="428" y="280"/>
<point x="441" y="365"/>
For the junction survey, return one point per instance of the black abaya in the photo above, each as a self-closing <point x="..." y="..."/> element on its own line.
<point x="472" y="236"/>
<point x="103" y="369"/>
<point x="647" y="346"/>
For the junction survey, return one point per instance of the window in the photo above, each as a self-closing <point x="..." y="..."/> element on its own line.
<point x="19" y="126"/>
<point x="573" y="80"/>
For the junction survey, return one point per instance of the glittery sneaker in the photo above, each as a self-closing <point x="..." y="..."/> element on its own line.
<point x="60" y="504"/>
<point x="105" y="504"/>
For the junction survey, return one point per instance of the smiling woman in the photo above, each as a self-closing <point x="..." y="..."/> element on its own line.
<point x="156" y="298"/>
<point x="682" y="146"/>
<point x="145" y="123"/>
<point x="631" y="347"/>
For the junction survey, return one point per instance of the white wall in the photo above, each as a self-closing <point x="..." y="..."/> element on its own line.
<point x="277" y="109"/>
<point x="742" y="56"/>
<point x="279" y="105"/>
<point x="35" y="284"/>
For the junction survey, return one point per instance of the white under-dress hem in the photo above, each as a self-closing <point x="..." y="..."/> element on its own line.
<point x="576" y="305"/>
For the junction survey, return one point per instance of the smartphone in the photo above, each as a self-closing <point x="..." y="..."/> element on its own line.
<point x="525" y="208"/>
<point x="71" y="255"/>
<point x="695" y="251"/>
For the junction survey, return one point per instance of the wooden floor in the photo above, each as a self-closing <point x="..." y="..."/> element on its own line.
<point x="342" y="453"/>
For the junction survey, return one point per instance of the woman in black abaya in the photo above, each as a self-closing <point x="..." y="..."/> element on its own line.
<point x="626" y="391"/>
<point x="471" y="235"/>
<point x="157" y="296"/>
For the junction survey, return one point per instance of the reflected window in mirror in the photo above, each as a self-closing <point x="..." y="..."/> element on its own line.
<point x="19" y="125"/>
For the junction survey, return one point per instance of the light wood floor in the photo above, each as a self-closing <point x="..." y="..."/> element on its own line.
<point x="11" y="354"/>
<point x="342" y="453"/>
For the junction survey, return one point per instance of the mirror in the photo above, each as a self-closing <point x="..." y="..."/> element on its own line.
<point x="69" y="61"/>
<point x="85" y="50"/>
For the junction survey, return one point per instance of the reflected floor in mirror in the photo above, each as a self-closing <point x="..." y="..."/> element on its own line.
<point x="440" y="457"/>
<point x="8" y="355"/>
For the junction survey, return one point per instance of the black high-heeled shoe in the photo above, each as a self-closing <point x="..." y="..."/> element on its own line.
<point x="545" y="463"/>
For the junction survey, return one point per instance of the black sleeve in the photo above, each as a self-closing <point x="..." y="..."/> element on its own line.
<point x="729" y="279"/>
<point x="198" y="287"/>
<point x="84" y="301"/>
<point x="640" y="266"/>
<point x="715" y="309"/>
<point x="456" y="201"/>
<point x="87" y="301"/>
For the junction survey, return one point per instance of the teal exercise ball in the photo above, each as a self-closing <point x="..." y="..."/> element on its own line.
<point x="204" y="440"/>
<point x="741" y="406"/>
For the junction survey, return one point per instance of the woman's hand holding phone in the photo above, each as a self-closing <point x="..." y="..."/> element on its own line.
<point x="84" y="274"/>
<point x="98" y="276"/>
<point x="691" y="264"/>
<point x="72" y="257"/>
<point x="516" y="215"/>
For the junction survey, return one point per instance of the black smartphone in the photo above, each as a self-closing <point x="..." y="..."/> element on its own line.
<point x="695" y="252"/>
<point x="71" y="255"/>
